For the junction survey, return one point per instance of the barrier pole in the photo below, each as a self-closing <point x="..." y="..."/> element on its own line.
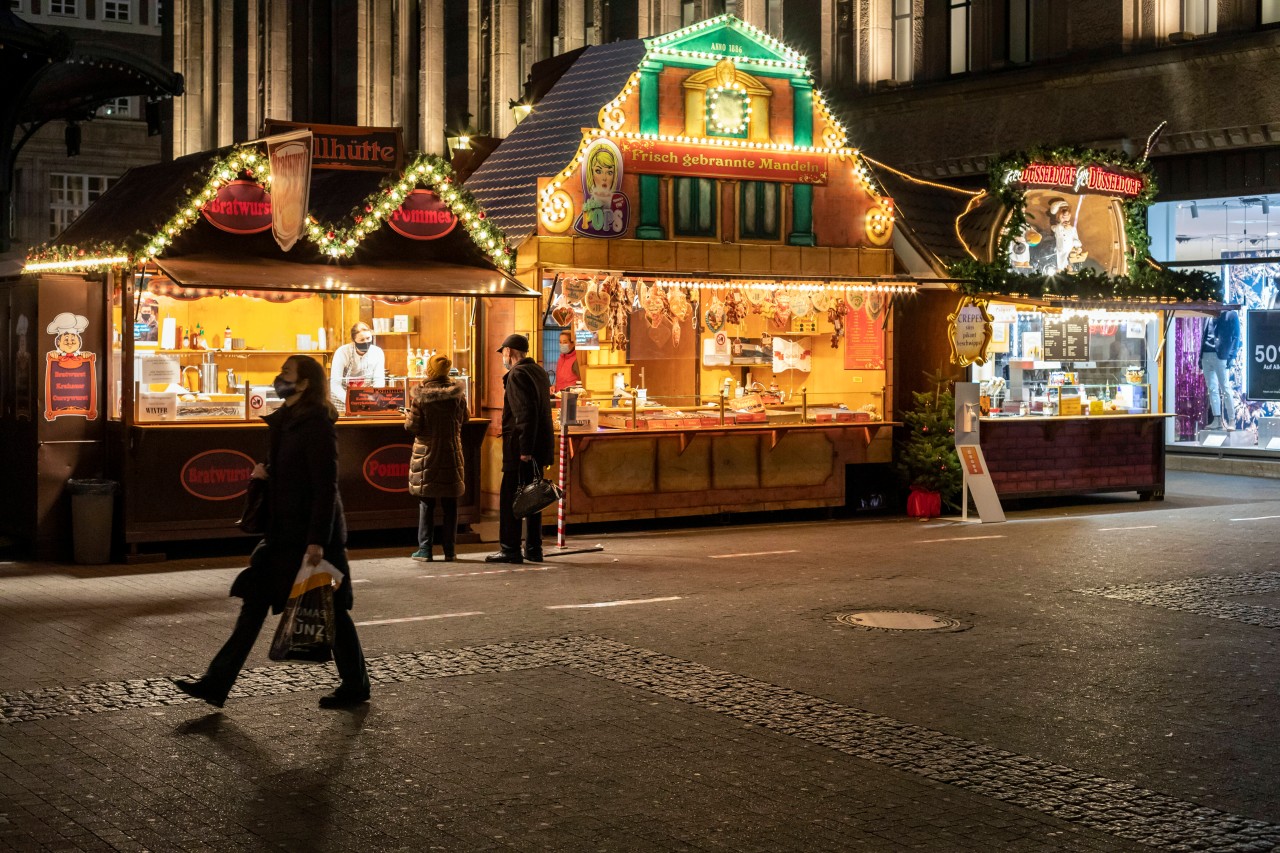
<point x="568" y="412"/>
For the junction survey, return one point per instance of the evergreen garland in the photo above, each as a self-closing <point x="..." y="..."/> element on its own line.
<point x="1146" y="281"/>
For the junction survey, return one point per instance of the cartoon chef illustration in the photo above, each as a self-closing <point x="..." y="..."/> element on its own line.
<point x="1067" y="243"/>
<point x="67" y="329"/>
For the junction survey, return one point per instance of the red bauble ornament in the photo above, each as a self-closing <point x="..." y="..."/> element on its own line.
<point x="480" y="215"/>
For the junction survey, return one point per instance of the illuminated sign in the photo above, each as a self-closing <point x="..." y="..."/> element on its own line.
<point x="1077" y="179"/>
<point x="422" y="216"/>
<point x="240" y="207"/>
<point x="387" y="468"/>
<point x="217" y="475"/>
<point x="725" y="162"/>
<point x="370" y="149"/>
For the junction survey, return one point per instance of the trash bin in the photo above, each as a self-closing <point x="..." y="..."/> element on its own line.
<point x="92" y="508"/>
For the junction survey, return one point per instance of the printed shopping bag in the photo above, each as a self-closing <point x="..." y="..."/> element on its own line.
<point x="305" y="631"/>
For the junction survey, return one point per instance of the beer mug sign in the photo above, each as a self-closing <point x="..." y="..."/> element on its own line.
<point x="290" y="156"/>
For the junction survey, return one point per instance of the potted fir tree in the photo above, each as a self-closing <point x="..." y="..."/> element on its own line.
<point x="927" y="457"/>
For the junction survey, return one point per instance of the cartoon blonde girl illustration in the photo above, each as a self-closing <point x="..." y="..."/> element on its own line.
<point x="604" y="207"/>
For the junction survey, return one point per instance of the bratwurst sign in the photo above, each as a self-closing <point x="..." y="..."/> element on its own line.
<point x="726" y="162"/>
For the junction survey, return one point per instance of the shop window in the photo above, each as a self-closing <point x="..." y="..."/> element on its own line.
<point x="70" y="195"/>
<point x="903" y="60"/>
<point x="1199" y="17"/>
<point x="69" y="8"/>
<point x="1269" y="12"/>
<point x="760" y="205"/>
<point x="960" y="11"/>
<point x="694" y="207"/>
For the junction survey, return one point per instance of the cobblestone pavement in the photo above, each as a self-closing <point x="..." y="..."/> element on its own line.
<point x="685" y="690"/>
<point x="1209" y="596"/>
<point x="1106" y="805"/>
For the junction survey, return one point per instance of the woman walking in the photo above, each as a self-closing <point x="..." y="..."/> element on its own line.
<point x="435" y="417"/>
<point x="305" y="521"/>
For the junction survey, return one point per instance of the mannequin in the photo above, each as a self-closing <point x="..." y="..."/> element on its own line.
<point x="1217" y="348"/>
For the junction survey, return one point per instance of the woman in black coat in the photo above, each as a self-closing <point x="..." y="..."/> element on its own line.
<point x="304" y="521"/>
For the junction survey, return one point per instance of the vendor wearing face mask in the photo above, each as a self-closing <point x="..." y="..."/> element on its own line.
<point x="359" y="360"/>
<point x="568" y="374"/>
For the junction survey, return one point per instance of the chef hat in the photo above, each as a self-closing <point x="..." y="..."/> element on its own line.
<point x="68" y="322"/>
<point x="1056" y="204"/>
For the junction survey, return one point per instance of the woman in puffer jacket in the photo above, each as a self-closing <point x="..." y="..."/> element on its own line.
<point x="435" y="417"/>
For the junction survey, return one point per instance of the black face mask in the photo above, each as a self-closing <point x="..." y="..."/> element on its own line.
<point x="284" y="388"/>
<point x="363" y="348"/>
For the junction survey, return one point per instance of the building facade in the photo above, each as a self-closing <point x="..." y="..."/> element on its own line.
<point x="435" y="68"/>
<point x="52" y="186"/>
<point x="939" y="88"/>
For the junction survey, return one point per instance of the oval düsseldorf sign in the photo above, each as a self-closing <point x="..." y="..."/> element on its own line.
<point x="387" y="468"/>
<point x="217" y="475"/>
<point x="422" y="216"/>
<point x="240" y="207"/>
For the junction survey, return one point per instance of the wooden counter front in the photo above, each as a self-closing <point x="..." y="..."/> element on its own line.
<point x="185" y="481"/>
<point x="618" y="475"/>
<point x="1033" y="456"/>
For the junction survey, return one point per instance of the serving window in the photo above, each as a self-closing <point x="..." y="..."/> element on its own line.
<point x="204" y="354"/>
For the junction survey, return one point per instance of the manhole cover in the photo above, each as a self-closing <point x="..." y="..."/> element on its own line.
<point x="899" y="620"/>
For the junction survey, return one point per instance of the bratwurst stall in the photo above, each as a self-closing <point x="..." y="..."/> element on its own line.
<point x="204" y="274"/>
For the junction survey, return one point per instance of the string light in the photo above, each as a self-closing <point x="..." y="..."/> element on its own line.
<point x="334" y="241"/>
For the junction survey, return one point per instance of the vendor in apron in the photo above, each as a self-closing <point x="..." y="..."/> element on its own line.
<point x="355" y="364"/>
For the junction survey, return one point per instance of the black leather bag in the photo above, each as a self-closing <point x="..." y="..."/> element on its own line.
<point x="253" y="520"/>
<point x="535" y="496"/>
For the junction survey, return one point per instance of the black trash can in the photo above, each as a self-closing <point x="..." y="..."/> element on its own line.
<point x="92" y="511"/>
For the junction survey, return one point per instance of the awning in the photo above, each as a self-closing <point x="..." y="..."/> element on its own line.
<point x="423" y="278"/>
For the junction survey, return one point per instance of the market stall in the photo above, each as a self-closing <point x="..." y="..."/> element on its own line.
<point x="191" y="300"/>
<point x="1061" y="317"/>
<point x="689" y="209"/>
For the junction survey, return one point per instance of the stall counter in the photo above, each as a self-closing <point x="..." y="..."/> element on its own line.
<point x="187" y="481"/>
<point x="1041" y="455"/>
<point x="618" y="475"/>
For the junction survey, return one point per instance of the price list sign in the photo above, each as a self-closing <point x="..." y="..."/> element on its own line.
<point x="1066" y="339"/>
<point x="1262" y="377"/>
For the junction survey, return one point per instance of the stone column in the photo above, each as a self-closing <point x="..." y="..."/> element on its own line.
<point x="276" y="96"/>
<point x="223" y="22"/>
<point x="376" y="34"/>
<point x="431" y="120"/>
<point x="505" y="80"/>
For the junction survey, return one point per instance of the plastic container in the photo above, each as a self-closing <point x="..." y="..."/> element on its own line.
<point x="92" y="511"/>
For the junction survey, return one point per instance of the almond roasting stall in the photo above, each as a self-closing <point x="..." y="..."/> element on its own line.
<point x="692" y="214"/>
<point x="188" y="284"/>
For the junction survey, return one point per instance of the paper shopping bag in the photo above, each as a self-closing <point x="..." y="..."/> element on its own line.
<point x="305" y="631"/>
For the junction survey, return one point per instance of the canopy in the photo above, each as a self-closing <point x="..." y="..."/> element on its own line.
<point x="421" y="278"/>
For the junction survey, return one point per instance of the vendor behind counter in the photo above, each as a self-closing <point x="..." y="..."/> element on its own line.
<point x="359" y="362"/>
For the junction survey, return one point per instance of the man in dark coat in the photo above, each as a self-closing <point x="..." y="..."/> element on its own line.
<point x="528" y="445"/>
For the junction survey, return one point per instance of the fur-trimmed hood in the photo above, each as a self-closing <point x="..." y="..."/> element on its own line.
<point x="436" y="390"/>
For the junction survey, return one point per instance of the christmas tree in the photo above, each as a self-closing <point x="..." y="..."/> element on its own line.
<point x="927" y="455"/>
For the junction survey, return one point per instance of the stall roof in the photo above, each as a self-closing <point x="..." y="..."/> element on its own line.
<point x="929" y="212"/>
<point x="506" y="184"/>
<point x="424" y="278"/>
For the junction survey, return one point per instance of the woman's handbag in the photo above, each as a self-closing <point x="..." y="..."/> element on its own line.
<point x="535" y="496"/>
<point x="253" y="520"/>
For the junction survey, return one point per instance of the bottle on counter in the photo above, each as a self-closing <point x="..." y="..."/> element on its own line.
<point x="226" y="339"/>
<point x="410" y="364"/>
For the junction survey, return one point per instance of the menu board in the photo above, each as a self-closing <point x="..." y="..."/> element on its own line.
<point x="1066" y="339"/>
<point x="374" y="401"/>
